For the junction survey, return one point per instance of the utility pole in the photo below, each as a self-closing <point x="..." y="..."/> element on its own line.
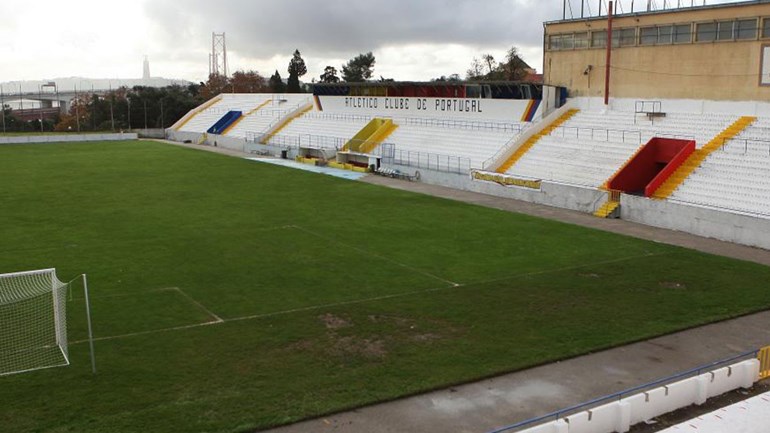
<point x="77" y="108"/>
<point x="2" y="104"/>
<point x="161" y="114"/>
<point x="145" y="116"/>
<point x="609" y="56"/>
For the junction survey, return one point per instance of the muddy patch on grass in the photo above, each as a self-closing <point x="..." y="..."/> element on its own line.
<point x="357" y="346"/>
<point x="333" y="322"/>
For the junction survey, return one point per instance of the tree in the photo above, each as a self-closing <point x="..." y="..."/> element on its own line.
<point x="514" y="68"/>
<point x="330" y="75"/>
<point x="487" y="69"/>
<point x="276" y="83"/>
<point x="359" y="68"/>
<point x="215" y="85"/>
<point x="297" y="69"/>
<point x="476" y="71"/>
<point x="248" y="82"/>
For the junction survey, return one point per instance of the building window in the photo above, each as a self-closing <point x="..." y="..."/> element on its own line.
<point x="599" y="39"/>
<point x="706" y="32"/>
<point x="664" y="34"/>
<point x="682" y="34"/>
<point x="581" y="40"/>
<point x="746" y="29"/>
<point x="554" y="42"/>
<point x="567" y="42"/>
<point x="628" y="37"/>
<point x="725" y="30"/>
<point x="649" y="35"/>
<point x="766" y="28"/>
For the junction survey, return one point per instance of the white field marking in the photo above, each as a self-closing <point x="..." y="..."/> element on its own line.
<point x="372" y="254"/>
<point x="127" y="295"/>
<point x="198" y="304"/>
<point x="567" y="268"/>
<point x="357" y="301"/>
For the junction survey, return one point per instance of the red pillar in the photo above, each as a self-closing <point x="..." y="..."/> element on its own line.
<point x="609" y="56"/>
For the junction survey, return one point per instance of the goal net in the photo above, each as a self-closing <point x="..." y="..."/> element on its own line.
<point x="33" y="321"/>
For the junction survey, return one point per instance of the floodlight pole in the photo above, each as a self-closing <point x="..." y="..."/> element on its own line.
<point x="90" y="328"/>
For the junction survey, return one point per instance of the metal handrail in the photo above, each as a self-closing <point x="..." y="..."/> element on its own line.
<point x="427" y="160"/>
<point x="727" y="142"/>
<point x="504" y="149"/>
<point x="595" y="134"/>
<point x="553" y="416"/>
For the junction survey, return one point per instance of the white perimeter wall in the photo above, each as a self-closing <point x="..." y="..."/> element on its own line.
<point x="66" y="138"/>
<point x="572" y="197"/>
<point x="742" y="108"/>
<point x="701" y="221"/>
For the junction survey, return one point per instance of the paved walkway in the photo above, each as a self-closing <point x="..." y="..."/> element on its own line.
<point x="483" y="406"/>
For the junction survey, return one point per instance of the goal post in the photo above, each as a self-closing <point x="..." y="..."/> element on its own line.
<point x="33" y="322"/>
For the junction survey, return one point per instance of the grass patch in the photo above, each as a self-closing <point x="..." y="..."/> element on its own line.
<point x="334" y="293"/>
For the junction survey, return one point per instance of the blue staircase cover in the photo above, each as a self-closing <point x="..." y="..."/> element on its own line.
<point x="226" y="120"/>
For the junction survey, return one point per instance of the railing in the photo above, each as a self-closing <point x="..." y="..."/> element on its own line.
<point x="460" y="124"/>
<point x="340" y="116"/>
<point x="598" y="134"/>
<point x="487" y="165"/>
<point x="649" y="108"/>
<point x="424" y="160"/>
<point x="553" y="416"/>
<point x="740" y="146"/>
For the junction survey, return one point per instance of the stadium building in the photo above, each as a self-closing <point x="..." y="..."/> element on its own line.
<point x="682" y="140"/>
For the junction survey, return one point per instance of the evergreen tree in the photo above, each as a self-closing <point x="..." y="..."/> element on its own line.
<point x="276" y="83"/>
<point x="359" y="68"/>
<point x="297" y="69"/>
<point x="330" y="75"/>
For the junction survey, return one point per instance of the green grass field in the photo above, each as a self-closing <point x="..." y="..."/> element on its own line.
<point x="230" y="296"/>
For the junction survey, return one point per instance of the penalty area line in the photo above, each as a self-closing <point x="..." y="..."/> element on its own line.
<point x="221" y="321"/>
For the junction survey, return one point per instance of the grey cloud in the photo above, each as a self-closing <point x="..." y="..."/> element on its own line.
<point x="341" y="28"/>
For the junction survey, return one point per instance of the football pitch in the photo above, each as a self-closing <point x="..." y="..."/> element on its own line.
<point x="231" y="296"/>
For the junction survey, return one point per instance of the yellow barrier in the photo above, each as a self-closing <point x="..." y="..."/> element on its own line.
<point x="764" y="363"/>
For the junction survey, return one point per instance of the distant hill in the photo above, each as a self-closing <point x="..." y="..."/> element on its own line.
<point x="86" y="84"/>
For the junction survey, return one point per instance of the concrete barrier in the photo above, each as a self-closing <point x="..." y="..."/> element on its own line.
<point x="713" y="223"/>
<point x="573" y="197"/>
<point x="67" y="138"/>
<point x="620" y="415"/>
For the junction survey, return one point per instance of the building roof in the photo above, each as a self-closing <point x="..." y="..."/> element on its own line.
<point x="662" y="11"/>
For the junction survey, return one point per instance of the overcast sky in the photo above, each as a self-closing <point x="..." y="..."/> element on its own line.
<point x="411" y="39"/>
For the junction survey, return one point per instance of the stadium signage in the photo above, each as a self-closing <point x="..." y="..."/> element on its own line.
<point x="437" y="105"/>
<point x="504" y="180"/>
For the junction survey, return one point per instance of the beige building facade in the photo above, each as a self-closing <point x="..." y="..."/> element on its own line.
<point x="719" y="52"/>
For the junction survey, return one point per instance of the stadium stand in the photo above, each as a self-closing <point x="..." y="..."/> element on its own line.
<point x="322" y="130"/>
<point x="735" y="177"/>
<point x="591" y="146"/>
<point x="476" y="141"/>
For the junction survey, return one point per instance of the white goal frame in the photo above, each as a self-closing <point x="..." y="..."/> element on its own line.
<point x="29" y="292"/>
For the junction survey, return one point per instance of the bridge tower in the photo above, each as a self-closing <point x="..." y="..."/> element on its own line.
<point x="218" y="56"/>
